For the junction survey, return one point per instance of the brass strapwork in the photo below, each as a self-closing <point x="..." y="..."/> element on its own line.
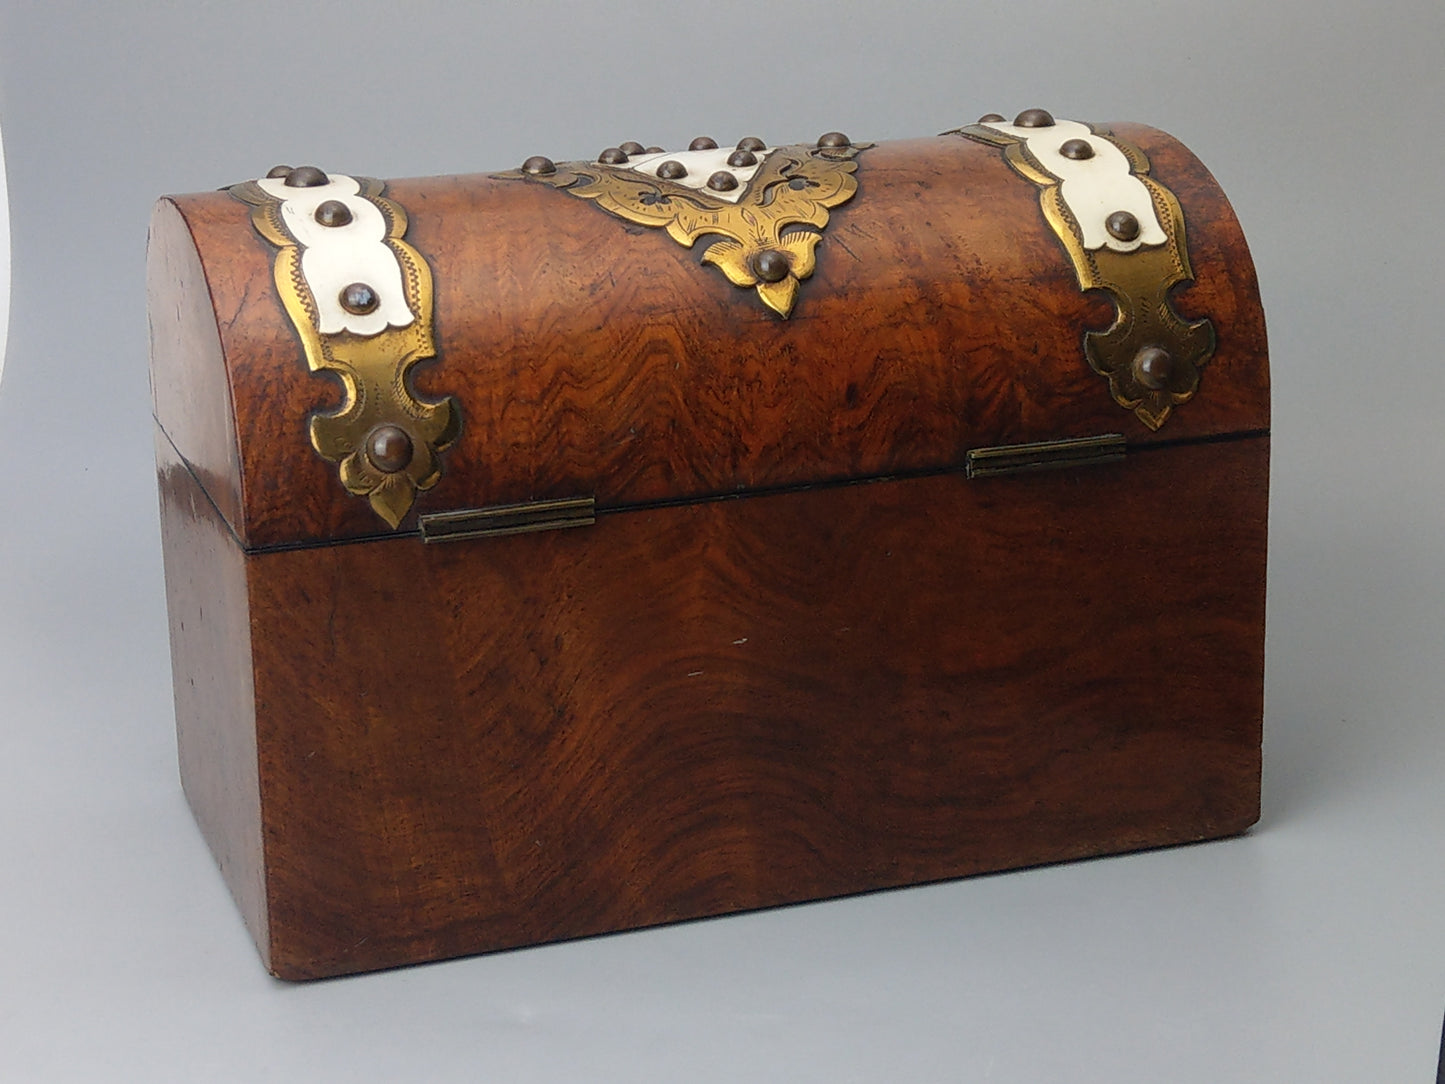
<point x="361" y="301"/>
<point x="1151" y="356"/>
<point x="742" y="203"/>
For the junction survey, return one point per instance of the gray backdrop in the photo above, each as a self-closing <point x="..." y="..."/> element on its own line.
<point x="1312" y="949"/>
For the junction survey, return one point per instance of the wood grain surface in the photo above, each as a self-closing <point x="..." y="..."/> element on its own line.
<point x="402" y="752"/>
<point x="190" y="387"/>
<point x="687" y="711"/>
<point x="211" y="664"/>
<point x="593" y="357"/>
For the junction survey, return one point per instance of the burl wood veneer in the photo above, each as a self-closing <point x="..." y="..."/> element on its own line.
<point x="798" y="655"/>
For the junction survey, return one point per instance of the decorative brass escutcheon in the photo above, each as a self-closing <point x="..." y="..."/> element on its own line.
<point x="361" y="301"/>
<point x="746" y="207"/>
<point x="1150" y="355"/>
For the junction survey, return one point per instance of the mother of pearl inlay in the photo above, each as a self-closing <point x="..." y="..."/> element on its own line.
<point x="700" y="166"/>
<point x="1093" y="188"/>
<point x="334" y="257"/>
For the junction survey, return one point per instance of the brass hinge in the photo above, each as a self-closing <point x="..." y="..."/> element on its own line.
<point x="1045" y="455"/>
<point x="504" y="519"/>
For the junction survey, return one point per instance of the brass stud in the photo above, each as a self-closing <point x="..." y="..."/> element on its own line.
<point x="632" y="147"/>
<point x="770" y="265"/>
<point x="1122" y="226"/>
<point x="389" y="448"/>
<point x="539" y="166"/>
<point x="1079" y="150"/>
<point x="333" y="213"/>
<point x="275" y="173"/>
<point x="703" y="143"/>
<point x="1152" y="367"/>
<point x="834" y="139"/>
<point x="612" y="156"/>
<point x="991" y="118"/>
<point x="1034" y="118"/>
<point x="306" y="177"/>
<point x="722" y="181"/>
<point x="359" y="299"/>
<point x="672" y="170"/>
<point x="741" y="159"/>
<point x="751" y="143"/>
<point x="654" y="150"/>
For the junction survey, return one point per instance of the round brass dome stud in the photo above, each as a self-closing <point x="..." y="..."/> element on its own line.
<point x="991" y="118"/>
<point x="751" y="143"/>
<point x="834" y="140"/>
<point x="539" y="166"/>
<point x="1034" y="118"/>
<point x="276" y="173"/>
<point x="1122" y="226"/>
<point x="770" y="265"/>
<point x="389" y="448"/>
<point x="358" y="299"/>
<point x="1152" y="367"/>
<point x="632" y="147"/>
<point x="672" y="170"/>
<point x="613" y="156"/>
<point x="654" y="150"/>
<point x="703" y="143"/>
<point x="1080" y="150"/>
<point x="306" y="177"/>
<point x="333" y="213"/>
<point x="741" y="159"/>
<point x="722" y="181"/>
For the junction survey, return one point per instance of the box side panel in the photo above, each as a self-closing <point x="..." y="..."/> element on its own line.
<point x="211" y="669"/>
<point x="688" y="711"/>
<point x="190" y="387"/>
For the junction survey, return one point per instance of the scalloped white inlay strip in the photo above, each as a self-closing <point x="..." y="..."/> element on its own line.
<point x="333" y="257"/>
<point x="700" y="166"/>
<point x="1094" y="188"/>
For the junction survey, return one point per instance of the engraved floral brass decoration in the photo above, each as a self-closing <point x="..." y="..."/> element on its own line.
<point x="762" y="237"/>
<point x="1150" y="355"/>
<point x="385" y="440"/>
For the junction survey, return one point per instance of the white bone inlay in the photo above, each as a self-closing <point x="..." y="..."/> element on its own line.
<point x="700" y="166"/>
<point x="334" y="257"/>
<point x="1093" y="188"/>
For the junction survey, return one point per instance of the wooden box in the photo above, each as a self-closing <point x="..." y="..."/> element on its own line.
<point x="602" y="544"/>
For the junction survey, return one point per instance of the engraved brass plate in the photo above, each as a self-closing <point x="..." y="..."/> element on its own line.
<point x="1151" y="356"/>
<point x="385" y="440"/>
<point x="761" y="239"/>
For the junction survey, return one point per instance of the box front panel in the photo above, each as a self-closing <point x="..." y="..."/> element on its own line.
<point x="692" y="710"/>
